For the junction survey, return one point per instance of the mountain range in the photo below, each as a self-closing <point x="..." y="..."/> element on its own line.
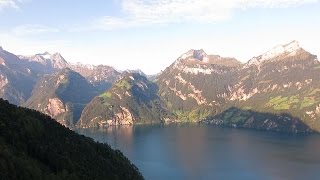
<point x="278" y="90"/>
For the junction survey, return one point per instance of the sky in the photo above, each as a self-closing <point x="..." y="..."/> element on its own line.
<point x="151" y="34"/>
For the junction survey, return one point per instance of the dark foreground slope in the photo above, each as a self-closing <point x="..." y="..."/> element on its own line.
<point x="33" y="146"/>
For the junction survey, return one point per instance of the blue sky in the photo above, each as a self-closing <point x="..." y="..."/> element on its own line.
<point x="151" y="34"/>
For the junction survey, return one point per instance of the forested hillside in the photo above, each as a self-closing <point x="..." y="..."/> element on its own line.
<point x="34" y="146"/>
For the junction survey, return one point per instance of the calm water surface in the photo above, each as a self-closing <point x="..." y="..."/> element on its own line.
<point x="189" y="151"/>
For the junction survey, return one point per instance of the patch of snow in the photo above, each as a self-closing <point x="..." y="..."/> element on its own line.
<point x="45" y="55"/>
<point x="86" y="66"/>
<point x="290" y="49"/>
<point x="197" y="70"/>
<point x="205" y="59"/>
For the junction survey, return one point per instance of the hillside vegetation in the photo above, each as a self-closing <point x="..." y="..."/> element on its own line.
<point x="34" y="146"/>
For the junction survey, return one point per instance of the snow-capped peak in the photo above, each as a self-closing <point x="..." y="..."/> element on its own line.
<point x="281" y="49"/>
<point x="137" y="71"/>
<point x="289" y="49"/>
<point x="58" y="57"/>
<point x="52" y="60"/>
<point x="81" y="65"/>
<point x="293" y="46"/>
<point x="45" y="55"/>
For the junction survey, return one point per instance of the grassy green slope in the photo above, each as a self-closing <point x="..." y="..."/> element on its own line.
<point x="132" y="99"/>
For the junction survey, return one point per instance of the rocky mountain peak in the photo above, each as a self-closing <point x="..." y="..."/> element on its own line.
<point x="292" y="46"/>
<point x="202" y="60"/>
<point x="132" y="77"/>
<point x="45" y="55"/>
<point x="195" y="54"/>
<point x="56" y="54"/>
<point x="55" y="60"/>
<point x="1" y="49"/>
<point x="289" y="49"/>
<point x="281" y="49"/>
<point x="138" y="71"/>
<point x="59" y="61"/>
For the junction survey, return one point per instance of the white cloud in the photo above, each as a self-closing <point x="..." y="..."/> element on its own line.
<point x="14" y="4"/>
<point x="8" y="4"/>
<point x="149" y="12"/>
<point x="31" y="29"/>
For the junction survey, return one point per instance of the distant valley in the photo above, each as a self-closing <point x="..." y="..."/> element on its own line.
<point x="278" y="90"/>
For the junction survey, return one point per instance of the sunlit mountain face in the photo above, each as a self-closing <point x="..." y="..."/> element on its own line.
<point x="277" y="90"/>
<point x="278" y="82"/>
<point x="181" y="89"/>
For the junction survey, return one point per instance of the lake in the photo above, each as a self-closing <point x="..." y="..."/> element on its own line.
<point x="193" y="151"/>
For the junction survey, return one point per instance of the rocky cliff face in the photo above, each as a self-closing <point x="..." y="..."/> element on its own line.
<point x="132" y="99"/>
<point x="44" y="62"/>
<point x="282" y="80"/>
<point x="196" y="84"/>
<point x="62" y="95"/>
<point x="44" y="82"/>
<point x="101" y="76"/>
<point x="16" y="80"/>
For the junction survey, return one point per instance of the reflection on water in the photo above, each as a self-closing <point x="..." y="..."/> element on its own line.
<point x="192" y="151"/>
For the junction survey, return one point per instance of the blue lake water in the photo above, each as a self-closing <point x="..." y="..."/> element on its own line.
<point x="192" y="151"/>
